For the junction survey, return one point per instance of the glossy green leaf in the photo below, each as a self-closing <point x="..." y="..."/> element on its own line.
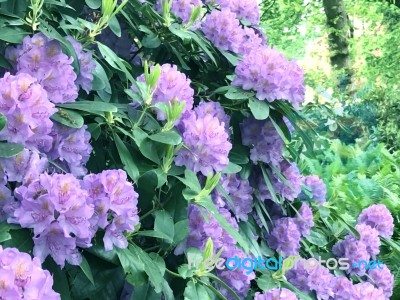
<point x="68" y="118"/>
<point x="10" y="149"/>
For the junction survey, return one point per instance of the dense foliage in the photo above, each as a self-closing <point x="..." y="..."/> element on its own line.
<point x="125" y="160"/>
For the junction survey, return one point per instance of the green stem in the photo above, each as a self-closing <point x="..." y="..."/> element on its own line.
<point x="173" y="273"/>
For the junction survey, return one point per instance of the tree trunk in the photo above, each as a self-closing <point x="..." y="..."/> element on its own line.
<point x="339" y="27"/>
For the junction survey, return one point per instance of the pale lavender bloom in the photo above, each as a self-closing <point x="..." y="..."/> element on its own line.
<point x="289" y="189"/>
<point x="285" y="237"/>
<point x="23" y="278"/>
<point x="379" y="217"/>
<point x="365" y="290"/>
<point x="223" y="30"/>
<point x="276" y="294"/>
<point x="312" y="277"/>
<point x="207" y="144"/>
<point x="240" y="193"/>
<point x="383" y="279"/>
<point x="370" y="237"/>
<point x="61" y="248"/>
<point x="25" y="104"/>
<point x="317" y="187"/>
<point x="215" y="109"/>
<point x="304" y="220"/>
<point x="250" y="41"/>
<point x="5" y="197"/>
<point x="182" y="9"/>
<point x="86" y="66"/>
<point x="71" y="148"/>
<point x="265" y="142"/>
<point x="171" y="86"/>
<point x="248" y="10"/>
<point x="43" y="59"/>
<point x="355" y="251"/>
<point x="342" y="288"/>
<point x="24" y="167"/>
<point x="271" y="75"/>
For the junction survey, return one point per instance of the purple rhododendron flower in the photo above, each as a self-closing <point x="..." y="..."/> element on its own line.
<point x="240" y="193"/>
<point x="71" y="148"/>
<point x="271" y="75"/>
<point x="310" y="276"/>
<point x="285" y="237"/>
<point x="379" y="217"/>
<point x="355" y="251"/>
<point x="5" y="198"/>
<point x="23" y="278"/>
<point x="276" y="294"/>
<point x="86" y="66"/>
<point x="365" y="290"/>
<point x="25" y="104"/>
<point x="171" y="86"/>
<point x="43" y="59"/>
<point x="265" y="142"/>
<point x="383" y="279"/>
<point x="207" y="144"/>
<point x="290" y="189"/>
<point x="342" y="288"/>
<point x="370" y="237"/>
<point x="248" y="10"/>
<point x="214" y="109"/>
<point x="317" y="187"/>
<point x="304" y="219"/>
<point x="182" y="9"/>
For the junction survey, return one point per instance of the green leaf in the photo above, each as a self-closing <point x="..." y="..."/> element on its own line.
<point x="191" y="181"/>
<point x="3" y="121"/>
<point x="114" y="61"/>
<point x="164" y="224"/>
<point x="114" y="26"/>
<point x="167" y="137"/>
<point x="100" y="79"/>
<point x="126" y="158"/>
<point x="238" y="94"/>
<point x="191" y="292"/>
<point x="86" y="269"/>
<point x="233" y="59"/>
<point x="68" y="118"/>
<point x="13" y="35"/>
<point x="145" y="292"/>
<point x="181" y="231"/>
<point x="265" y="282"/>
<point x="133" y="268"/>
<point x="10" y="149"/>
<point x="259" y="109"/>
<point x="317" y="238"/>
<point x="207" y="204"/>
<point x="232" y="168"/>
<point x="90" y="106"/>
<point x="182" y="34"/>
<point x="93" y="4"/>
<point x="4" y="232"/>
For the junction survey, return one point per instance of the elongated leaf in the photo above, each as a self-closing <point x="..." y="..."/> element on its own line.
<point x="90" y="106"/>
<point x="68" y="118"/>
<point x="167" y="137"/>
<point x="126" y="158"/>
<point x="259" y="109"/>
<point x="3" y="121"/>
<point x="13" y="34"/>
<point x="10" y="149"/>
<point x="164" y="224"/>
<point x="86" y="269"/>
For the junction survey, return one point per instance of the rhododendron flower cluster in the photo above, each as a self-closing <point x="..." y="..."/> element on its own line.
<point x="22" y="277"/>
<point x="247" y="9"/>
<point x="23" y="167"/>
<point x="288" y="189"/>
<point x="371" y="220"/>
<point x="182" y="9"/>
<point x="285" y="237"/>
<point x="304" y="219"/>
<point x="379" y="217"/>
<point x="215" y="109"/>
<point x="276" y="294"/>
<point x="25" y="104"/>
<point x="43" y="59"/>
<point x="112" y="195"/>
<point x="70" y="148"/>
<point x="223" y="29"/>
<point x="265" y="142"/>
<point x="86" y="66"/>
<point x="383" y="279"/>
<point x="65" y="212"/>
<point x="171" y="86"/>
<point x="200" y="229"/>
<point x="207" y="143"/>
<point x="271" y="75"/>
<point x="317" y="188"/>
<point x="240" y="200"/>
